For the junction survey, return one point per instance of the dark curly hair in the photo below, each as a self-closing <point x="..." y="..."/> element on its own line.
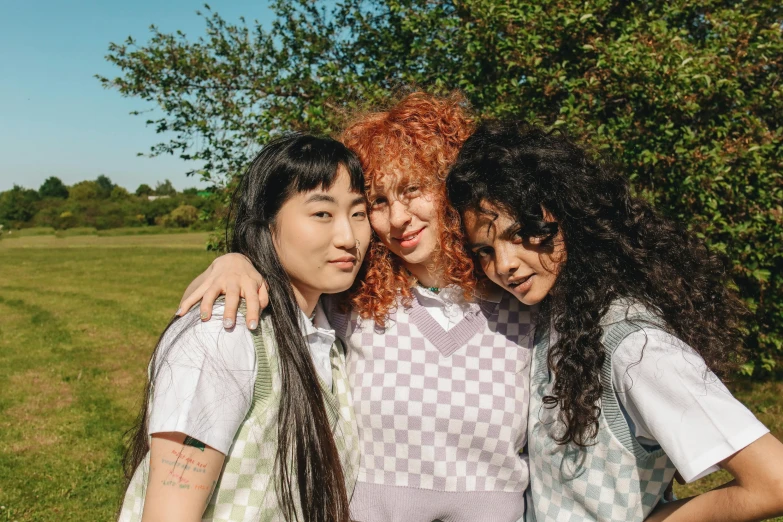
<point x="617" y="246"/>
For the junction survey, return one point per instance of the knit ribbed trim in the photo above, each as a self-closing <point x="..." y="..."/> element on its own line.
<point x="262" y="390"/>
<point x="610" y="407"/>
<point x="263" y="386"/>
<point x="331" y="402"/>
<point x="448" y="342"/>
<point x="614" y="334"/>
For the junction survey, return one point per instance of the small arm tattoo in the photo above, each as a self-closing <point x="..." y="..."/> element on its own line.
<point x="190" y="441"/>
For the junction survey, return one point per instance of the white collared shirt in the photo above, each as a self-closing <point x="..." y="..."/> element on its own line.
<point x="205" y="388"/>
<point x="320" y="337"/>
<point x="448" y="307"/>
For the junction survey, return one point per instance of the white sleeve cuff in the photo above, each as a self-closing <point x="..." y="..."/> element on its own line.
<point x="707" y="463"/>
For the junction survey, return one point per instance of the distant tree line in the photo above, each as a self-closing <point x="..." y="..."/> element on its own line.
<point x="101" y="204"/>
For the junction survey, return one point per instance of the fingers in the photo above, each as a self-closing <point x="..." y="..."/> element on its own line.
<point x="250" y="293"/>
<point x="210" y="295"/>
<point x="189" y="300"/>
<point x="233" y="295"/>
<point x="193" y="292"/>
<point x="263" y="295"/>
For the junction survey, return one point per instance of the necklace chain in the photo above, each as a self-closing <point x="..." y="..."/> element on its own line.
<point x="433" y="289"/>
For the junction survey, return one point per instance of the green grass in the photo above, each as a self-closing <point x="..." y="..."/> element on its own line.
<point x="139" y="231"/>
<point x="79" y="317"/>
<point x="90" y="231"/>
<point x="78" y="322"/>
<point x="195" y="240"/>
<point x="77" y="231"/>
<point x="25" y="232"/>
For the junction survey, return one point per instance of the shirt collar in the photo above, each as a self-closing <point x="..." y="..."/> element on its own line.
<point x="319" y="326"/>
<point x="452" y="294"/>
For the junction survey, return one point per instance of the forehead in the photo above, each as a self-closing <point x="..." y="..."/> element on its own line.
<point x="389" y="180"/>
<point x="485" y="220"/>
<point x="340" y="187"/>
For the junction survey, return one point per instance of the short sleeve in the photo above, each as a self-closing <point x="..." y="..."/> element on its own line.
<point x="203" y="385"/>
<point x="675" y="401"/>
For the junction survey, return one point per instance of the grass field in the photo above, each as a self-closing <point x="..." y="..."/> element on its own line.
<point x="78" y="319"/>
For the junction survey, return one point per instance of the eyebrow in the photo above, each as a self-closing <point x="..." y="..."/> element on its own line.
<point x="510" y="231"/>
<point x="329" y="199"/>
<point x="320" y="197"/>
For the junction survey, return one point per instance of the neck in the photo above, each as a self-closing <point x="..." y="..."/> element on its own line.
<point x="306" y="299"/>
<point x="427" y="275"/>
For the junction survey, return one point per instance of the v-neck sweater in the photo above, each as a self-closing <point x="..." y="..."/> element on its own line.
<point x="441" y="415"/>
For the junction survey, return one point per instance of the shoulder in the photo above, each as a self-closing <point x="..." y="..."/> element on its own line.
<point x="189" y="340"/>
<point x="657" y="348"/>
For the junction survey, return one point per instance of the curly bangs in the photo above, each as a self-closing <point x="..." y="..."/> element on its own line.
<point x="417" y="138"/>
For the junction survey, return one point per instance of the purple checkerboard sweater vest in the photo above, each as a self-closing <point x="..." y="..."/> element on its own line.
<point x="442" y="416"/>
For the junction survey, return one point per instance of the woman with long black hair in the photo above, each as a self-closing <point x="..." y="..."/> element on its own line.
<point x="257" y="424"/>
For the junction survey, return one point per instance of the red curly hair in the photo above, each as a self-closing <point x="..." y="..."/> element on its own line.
<point x="419" y="136"/>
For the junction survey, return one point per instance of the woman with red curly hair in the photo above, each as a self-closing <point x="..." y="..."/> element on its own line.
<point x="438" y="365"/>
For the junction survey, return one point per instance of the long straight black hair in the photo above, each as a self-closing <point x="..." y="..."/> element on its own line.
<point x="306" y="449"/>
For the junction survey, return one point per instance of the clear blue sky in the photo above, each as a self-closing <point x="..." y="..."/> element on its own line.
<point x="56" y="119"/>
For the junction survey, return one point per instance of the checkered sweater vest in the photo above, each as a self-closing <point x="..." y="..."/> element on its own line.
<point x="616" y="479"/>
<point x="246" y="490"/>
<point x="442" y="416"/>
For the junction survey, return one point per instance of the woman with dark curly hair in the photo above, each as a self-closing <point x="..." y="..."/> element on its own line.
<point x="635" y="323"/>
<point x="438" y="368"/>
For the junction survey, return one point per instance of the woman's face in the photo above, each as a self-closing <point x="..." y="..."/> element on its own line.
<point x="522" y="266"/>
<point x="316" y="236"/>
<point x="405" y="218"/>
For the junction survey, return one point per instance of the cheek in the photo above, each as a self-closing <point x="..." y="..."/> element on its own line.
<point x="489" y="270"/>
<point x="363" y="233"/>
<point x="425" y="209"/>
<point x="379" y="222"/>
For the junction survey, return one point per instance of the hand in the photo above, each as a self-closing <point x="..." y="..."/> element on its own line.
<point x="234" y="276"/>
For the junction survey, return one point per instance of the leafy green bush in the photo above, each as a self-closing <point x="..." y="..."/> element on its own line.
<point x="685" y="96"/>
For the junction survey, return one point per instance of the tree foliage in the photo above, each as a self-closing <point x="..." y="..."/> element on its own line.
<point x="85" y="190"/>
<point x="144" y="190"/>
<point x="105" y="186"/>
<point x="53" y="187"/>
<point x="685" y="96"/>
<point x="17" y="205"/>
<point x="165" y="188"/>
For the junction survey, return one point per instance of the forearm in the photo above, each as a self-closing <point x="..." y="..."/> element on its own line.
<point x="728" y="503"/>
<point x="181" y="479"/>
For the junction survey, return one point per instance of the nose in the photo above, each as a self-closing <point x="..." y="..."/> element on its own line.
<point x="344" y="236"/>
<point x="506" y="263"/>
<point x="399" y="217"/>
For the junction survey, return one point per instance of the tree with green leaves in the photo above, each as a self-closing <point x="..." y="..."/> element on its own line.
<point x="105" y="186"/>
<point x="84" y="191"/>
<point x="165" y="188"/>
<point x="144" y="190"/>
<point x="18" y="205"/>
<point x="685" y="96"/>
<point x="53" y="187"/>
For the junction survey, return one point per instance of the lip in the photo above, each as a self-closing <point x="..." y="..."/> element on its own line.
<point x="412" y="241"/>
<point x="525" y="283"/>
<point x="344" y="262"/>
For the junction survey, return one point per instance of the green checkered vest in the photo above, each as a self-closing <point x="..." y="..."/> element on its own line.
<point x="615" y="479"/>
<point x="246" y="488"/>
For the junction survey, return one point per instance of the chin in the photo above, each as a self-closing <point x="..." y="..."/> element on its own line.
<point x="419" y="256"/>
